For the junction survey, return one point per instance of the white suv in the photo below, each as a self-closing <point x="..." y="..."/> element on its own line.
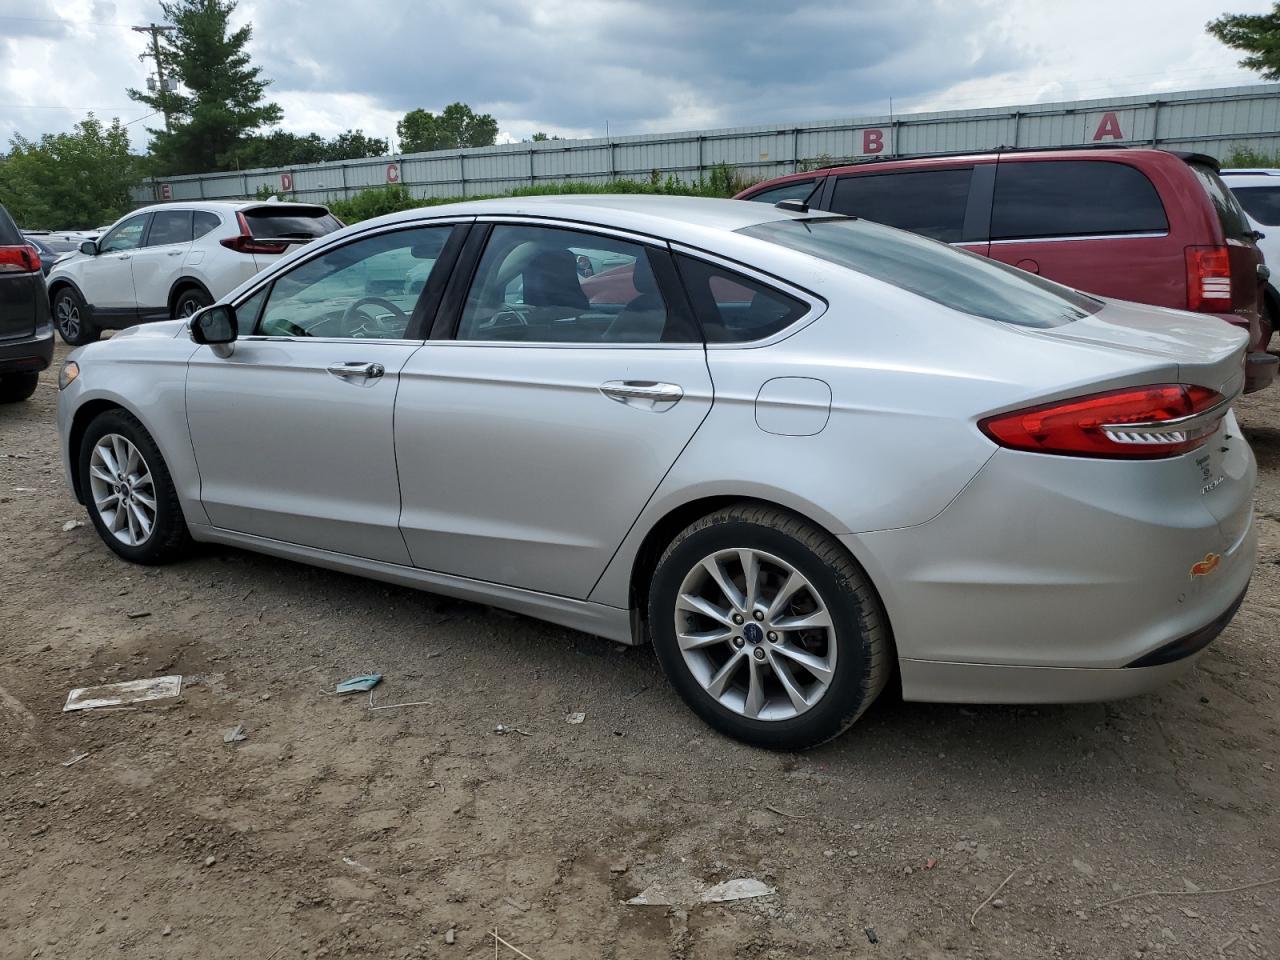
<point x="1258" y="191"/>
<point x="172" y="259"/>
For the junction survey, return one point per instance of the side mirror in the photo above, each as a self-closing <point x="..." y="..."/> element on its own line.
<point x="214" y="325"/>
<point x="89" y="248"/>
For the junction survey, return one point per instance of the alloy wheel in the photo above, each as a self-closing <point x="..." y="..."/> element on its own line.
<point x="122" y="489"/>
<point x="67" y="315"/>
<point x="756" y="634"/>
<point x="187" y="308"/>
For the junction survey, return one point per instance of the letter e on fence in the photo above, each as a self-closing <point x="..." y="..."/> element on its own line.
<point x="166" y="191"/>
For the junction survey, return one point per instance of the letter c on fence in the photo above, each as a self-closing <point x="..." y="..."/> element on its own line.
<point x="393" y="173"/>
<point x="286" y="181"/>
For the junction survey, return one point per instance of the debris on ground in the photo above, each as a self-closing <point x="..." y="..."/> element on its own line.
<point x="138" y="614"/>
<point x="127" y="691"/>
<point x="871" y="934"/>
<point x="575" y="718"/>
<point x="71" y="525"/>
<point x="685" y="892"/>
<point x="235" y="734"/>
<point x="358" y="684"/>
<point x="746" y="888"/>
<point x="74" y="760"/>
<point x="450" y="936"/>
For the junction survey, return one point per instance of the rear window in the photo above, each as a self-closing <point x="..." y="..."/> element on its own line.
<point x="1073" y="198"/>
<point x="1235" y="225"/>
<point x="928" y="202"/>
<point x="1262" y="203"/>
<point x="9" y="235"/>
<point x="298" y="223"/>
<point x="796" y="190"/>
<point x="954" y="278"/>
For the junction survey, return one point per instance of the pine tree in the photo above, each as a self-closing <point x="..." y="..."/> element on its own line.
<point x="221" y="98"/>
<point x="1257" y="34"/>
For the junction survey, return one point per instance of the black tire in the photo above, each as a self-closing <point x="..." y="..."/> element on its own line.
<point x="71" y="317"/>
<point x="861" y="632"/>
<point x="15" y="387"/>
<point x="169" y="538"/>
<point x="189" y="301"/>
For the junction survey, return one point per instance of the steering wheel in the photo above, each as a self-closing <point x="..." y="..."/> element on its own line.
<point x="349" y="315"/>
<point x="507" y="317"/>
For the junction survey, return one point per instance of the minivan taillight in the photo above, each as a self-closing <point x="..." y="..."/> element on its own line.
<point x="1136" y="423"/>
<point x="244" y="243"/>
<point x="19" y="258"/>
<point x="1209" y="279"/>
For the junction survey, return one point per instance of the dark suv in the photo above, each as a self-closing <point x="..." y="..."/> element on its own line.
<point x="1150" y="226"/>
<point x="26" y="333"/>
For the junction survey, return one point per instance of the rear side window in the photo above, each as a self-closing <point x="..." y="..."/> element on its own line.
<point x="9" y="235"/>
<point x="954" y="278"/>
<point x="1262" y="203"/>
<point x="304" y="223"/>
<point x="1235" y="225"/>
<point x="169" y="226"/>
<point x="204" y="222"/>
<point x="734" y="308"/>
<point x="1073" y="198"/>
<point x="928" y="202"/>
<point x="796" y="190"/>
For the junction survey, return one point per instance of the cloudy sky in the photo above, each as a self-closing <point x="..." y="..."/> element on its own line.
<point x="572" y="66"/>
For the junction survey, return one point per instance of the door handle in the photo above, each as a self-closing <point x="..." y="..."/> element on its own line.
<point x="625" y="391"/>
<point x="123" y="256"/>
<point x="174" y="253"/>
<point x="356" y="368"/>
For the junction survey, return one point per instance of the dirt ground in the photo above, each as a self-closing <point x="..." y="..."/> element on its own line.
<point x="335" y="831"/>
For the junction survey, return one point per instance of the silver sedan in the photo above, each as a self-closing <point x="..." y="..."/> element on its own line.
<point x="805" y="456"/>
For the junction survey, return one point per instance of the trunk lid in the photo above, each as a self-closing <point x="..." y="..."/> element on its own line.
<point x="1206" y="351"/>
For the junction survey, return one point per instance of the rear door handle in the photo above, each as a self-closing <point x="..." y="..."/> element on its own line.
<point x="357" y="368"/>
<point x="174" y="253"/>
<point x="637" y="392"/>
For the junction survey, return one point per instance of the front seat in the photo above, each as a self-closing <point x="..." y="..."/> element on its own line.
<point x="551" y="286"/>
<point x="644" y="318"/>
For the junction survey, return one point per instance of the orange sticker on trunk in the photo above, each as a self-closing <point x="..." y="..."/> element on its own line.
<point x="1206" y="566"/>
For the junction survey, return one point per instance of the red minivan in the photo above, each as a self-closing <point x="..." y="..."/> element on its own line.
<point x="1152" y="226"/>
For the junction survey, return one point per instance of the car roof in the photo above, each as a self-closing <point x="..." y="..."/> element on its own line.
<point x="222" y="206"/>
<point x="672" y="217"/>
<point x="1251" y="172"/>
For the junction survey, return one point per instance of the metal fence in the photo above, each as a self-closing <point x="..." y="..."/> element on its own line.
<point x="1214" y="121"/>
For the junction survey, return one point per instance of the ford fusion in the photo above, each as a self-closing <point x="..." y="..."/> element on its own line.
<point x="803" y="455"/>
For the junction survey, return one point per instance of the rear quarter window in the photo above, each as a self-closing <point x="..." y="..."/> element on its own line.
<point x="796" y="190"/>
<point x="1235" y="225"/>
<point x="9" y="234"/>
<point x="1073" y="198"/>
<point x="928" y="202"/>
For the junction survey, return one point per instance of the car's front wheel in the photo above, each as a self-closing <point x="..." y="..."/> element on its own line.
<point x="18" y="386"/>
<point x="190" y="301"/>
<point x="128" y="490"/>
<point x="71" y="318"/>
<point x="768" y="628"/>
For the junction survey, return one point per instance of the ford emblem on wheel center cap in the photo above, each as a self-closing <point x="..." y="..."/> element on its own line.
<point x="753" y="633"/>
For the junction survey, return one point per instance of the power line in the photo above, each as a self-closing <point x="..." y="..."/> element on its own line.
<point x="156" y="30"/>
<point x="67" y="21"/>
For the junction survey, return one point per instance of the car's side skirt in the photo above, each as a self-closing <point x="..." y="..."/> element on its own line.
<point x="594" y="618"/>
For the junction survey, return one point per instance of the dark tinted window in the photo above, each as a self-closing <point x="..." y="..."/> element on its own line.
<point x="945" y="275"/>
<point x="1072" y="198"/>
<point x="796" y="190"/>
<point x="169" y="226"/>
<point x="302" y="223"/>
<point x="928" y="202"/>
<point x="9" y="235"/>
<point x="734" y="308"/>
<point x="205" y="222"/>
<point x="1263" y="203"/>
<point x="1235" y="225"/>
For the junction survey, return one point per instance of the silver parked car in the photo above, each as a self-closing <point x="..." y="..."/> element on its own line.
<point x="802" y="454"/>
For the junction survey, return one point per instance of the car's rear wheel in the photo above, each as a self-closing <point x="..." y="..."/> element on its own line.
<point x="768" y="628"/>
<point x="128" y="490"/>
<point x="189" y="301"/>
<point x="18" y="386"/>
<point x="72" y="319"/>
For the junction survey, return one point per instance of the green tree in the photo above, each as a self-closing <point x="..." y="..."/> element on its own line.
<point x="224" y="101"/>
<point x="281" y="149"/>
<point x="355" y="145"/>
<point x="70" y="180"/>
<point x="1256" y="34"/>
<point x="457" y="125"/>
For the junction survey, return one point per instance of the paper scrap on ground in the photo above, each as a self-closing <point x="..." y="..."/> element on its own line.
<point x="684" y="892"/>
<point x="235" y="734"/>
<point x="358" y="684"/>
<point x="575" y="718"/>
<point x="128" y="691"/>
<point x="744" y="889"/>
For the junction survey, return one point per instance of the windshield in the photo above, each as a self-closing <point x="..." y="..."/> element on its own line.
<point x="936" y="271"/>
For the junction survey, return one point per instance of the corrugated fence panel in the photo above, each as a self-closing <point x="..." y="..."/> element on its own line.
<point x="1210" y="121"/>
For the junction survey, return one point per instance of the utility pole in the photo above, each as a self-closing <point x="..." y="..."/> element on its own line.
<point x="155" y="30"/>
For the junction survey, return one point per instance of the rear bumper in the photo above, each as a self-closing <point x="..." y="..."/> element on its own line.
<point x="28" y="355"/>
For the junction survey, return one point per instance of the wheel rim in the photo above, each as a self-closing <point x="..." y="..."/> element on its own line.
<point x="67" y="314"/>
<point x="188" y="307"/>
<point x="756" y="634"/>
<point x="122" y="489"/>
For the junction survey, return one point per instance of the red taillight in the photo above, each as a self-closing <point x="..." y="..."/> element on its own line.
<point x="19" y="259"/>
<point x="1142" y="423"/>
<point x="244" y="243"/>
<point x="1209" y="279"/>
